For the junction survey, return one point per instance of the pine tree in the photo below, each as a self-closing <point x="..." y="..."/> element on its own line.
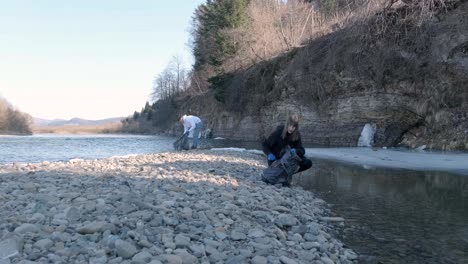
<point x="211" y="45"/>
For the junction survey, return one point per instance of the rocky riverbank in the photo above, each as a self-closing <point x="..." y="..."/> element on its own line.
<point x="201" y="206"/>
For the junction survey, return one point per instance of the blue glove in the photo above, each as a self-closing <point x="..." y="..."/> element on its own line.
<point x="186" y="133"/>
<point x="293" y="151"/>
<point x="271" y="157"/>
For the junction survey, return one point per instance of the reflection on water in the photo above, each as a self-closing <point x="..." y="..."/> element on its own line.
<point x="396" y="216"/>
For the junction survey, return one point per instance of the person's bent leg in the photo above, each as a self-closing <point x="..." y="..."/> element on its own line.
<point x="305" y="164"/>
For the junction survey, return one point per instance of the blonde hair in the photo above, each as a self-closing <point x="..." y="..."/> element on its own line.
<point x="293" y="120"/>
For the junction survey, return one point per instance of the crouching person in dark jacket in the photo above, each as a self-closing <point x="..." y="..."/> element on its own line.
<point x="283" y="136"/>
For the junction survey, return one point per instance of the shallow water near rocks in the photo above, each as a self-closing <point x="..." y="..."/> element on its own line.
<point x="391" y="216"/>
<point x="395" y="216"/>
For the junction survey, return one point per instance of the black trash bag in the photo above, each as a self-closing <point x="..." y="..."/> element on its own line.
<point x="182" y="143"/>
<point x="282" y="170"/>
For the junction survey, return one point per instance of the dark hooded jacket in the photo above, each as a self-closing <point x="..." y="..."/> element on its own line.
<point x="275" y="143"/>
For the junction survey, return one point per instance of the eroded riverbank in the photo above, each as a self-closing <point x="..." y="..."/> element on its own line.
<point x="187" y="207"/>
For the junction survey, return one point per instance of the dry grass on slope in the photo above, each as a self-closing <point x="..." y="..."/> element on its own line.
<point x="277" y="27"/>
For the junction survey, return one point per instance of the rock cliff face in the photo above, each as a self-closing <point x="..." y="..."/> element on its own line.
<point x="338" y="124"/>
<point x="412" y="89"/>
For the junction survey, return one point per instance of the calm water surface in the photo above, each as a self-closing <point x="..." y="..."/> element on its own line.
<point x="395" y="216"/>
<point x="392" y="216"/>
<point x="54" y="147"/>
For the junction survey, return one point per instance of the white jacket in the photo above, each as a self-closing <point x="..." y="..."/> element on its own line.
<point x="190" y="122"/>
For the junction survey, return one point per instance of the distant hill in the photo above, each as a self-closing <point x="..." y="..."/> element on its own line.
<point x="40" y="122"/>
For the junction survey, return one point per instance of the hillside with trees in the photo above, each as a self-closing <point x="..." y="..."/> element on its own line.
<point x="12" y="121"/>
<point x="399" y="65"/>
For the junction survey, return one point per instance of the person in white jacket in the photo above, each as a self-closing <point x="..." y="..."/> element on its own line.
<point x="193" y="126"/>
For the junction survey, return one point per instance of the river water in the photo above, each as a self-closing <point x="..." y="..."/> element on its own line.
<point x="395" y="216"/>
<point x="391" y="215"/>
<point x="57" y="147"/>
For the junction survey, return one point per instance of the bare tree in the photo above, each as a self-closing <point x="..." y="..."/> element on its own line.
<point x="3" y="114"/>
<point x="171" y="81"/>
<point x="278" y="26"/>
<point x="12" y="120"/>
<point x="275" y="27"/>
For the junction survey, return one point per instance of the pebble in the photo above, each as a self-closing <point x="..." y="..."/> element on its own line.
<point x="198" y="206"/>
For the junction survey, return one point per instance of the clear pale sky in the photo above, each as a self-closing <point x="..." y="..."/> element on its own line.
<point x="91" y="59"/>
